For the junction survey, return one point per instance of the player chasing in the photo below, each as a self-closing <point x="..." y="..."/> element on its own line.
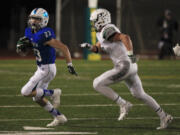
<point x="120" y="49"/>
<point x="42" y="40"/>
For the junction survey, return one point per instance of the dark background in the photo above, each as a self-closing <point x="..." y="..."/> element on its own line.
<point x="139" y="18"/>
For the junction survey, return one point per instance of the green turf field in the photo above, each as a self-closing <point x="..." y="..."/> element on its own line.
<point x="89" y="112"/>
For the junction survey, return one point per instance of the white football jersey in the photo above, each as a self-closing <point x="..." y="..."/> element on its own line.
<point x="116" y="50"/>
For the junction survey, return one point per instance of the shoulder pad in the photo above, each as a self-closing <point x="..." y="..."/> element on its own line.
<point x="109" y="32"/>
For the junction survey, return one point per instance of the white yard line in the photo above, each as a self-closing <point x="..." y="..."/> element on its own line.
<point x="123" y="93"/>
<point x="144" y="84"/>
<point x="8" y="87"/>
<point x="74" y="119"/>
<point x="36" y="128"/>
<point x="97" y="94"/>
<point x="83" y="105"/>
<point x="15" y="72"/>
<point x="45" y="133"/>
<point x="106" y="105"/>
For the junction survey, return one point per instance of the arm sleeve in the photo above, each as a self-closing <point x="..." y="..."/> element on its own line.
<point x="109" y="32"/>
<point x="47" y="35"/>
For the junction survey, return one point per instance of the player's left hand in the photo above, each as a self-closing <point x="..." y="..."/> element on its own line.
<point x="71" y="70"/>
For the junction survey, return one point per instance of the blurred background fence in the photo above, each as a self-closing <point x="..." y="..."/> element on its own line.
<point x="138" y="19"/>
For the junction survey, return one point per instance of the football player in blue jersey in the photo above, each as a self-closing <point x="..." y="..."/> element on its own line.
<point x="42" y="40"/>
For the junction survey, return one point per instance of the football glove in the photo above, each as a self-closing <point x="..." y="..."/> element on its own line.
<point x="71" y="69"/>
<point x="23" y="45"/>
<point x="176" y="50"/>
<point x="86" y="45"/>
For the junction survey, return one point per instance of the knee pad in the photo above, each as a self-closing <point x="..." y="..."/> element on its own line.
<point x="27" y="88"/>
<point x="25" y="92"/>
<point x="95" y="84"/>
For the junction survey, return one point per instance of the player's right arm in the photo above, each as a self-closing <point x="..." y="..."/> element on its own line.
<point x="112" y="35"/>
<point x="94" y="48"/>
<point x="125" y="39"/>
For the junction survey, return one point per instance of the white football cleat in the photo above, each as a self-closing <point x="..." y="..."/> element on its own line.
<point x="124" y="109"/>
<point x="164" y="121"/>
<point x="60" y="119"/>
<point x="56" y="98"/>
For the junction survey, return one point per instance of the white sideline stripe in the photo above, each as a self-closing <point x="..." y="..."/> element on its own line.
<point x="124" y="93"/>
<point x="45" y="133"/>
<point x="36" y="128"/>
<point x="144" y="84"/>
<point x="92" y="105"/>
<point x="73" y="119"/>
<point x="104" y="105"/>
<point x="97" y="94"/>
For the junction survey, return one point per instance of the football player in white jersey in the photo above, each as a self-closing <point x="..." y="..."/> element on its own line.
<point x="120" y="49"/>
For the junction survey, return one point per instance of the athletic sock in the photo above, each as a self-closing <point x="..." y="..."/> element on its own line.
<point x="48" y="92"/>
<point x="120" y="101"/>
<point x="160" y="112"/>
<point x="49" y="107"/>
<point x="55" y="112"/>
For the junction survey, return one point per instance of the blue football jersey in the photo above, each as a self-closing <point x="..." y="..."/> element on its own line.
<point x="45" y="54"/>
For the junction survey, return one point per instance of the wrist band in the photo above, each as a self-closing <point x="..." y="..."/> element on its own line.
<point x="97" y="50"/>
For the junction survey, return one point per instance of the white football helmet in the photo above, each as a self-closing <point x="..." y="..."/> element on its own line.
<point x="38" y="14"/>
<point x="99" y="18"/>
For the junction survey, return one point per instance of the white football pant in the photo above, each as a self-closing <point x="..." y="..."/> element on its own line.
<point x="40" y="80"/>
<point x="128" y="72"/>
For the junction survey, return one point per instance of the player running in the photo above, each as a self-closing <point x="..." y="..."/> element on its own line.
<point x="120" y="49"/>
<point x="42" y="40"/>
